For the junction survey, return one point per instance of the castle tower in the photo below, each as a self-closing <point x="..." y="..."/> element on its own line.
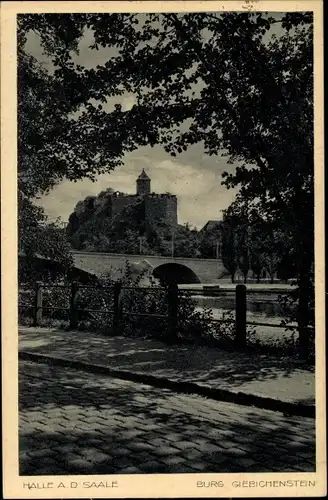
<point x="143" y="184"/>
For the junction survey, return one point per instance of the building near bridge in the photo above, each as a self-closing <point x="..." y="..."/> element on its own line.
<point x="213" y="226"/>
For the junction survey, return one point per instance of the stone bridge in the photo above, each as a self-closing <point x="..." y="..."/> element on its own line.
<point x="172" y="269"/>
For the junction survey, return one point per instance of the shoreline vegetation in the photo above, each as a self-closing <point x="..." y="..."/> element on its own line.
<point x="145" y="310"/>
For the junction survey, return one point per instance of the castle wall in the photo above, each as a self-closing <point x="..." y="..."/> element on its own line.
<point x="161" y="208"/>
<point x="120" y="201"/>
<point x="156" y="207"/>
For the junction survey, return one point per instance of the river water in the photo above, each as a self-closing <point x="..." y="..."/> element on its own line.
<point x="261" y="308"/>
<point x="268" y="311"/>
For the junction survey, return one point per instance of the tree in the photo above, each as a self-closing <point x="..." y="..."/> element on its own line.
<point x="260" y="243"/>
<point x="242" y="250"/>
<point x="257" y="261"/>
<point x="57" y="133"/>
<point x="58" y="128"/>
<point x="161" y="59"/>
<point x="237" y="218"/>
<point x="229" y="249"/>
<point x="273" y="249"/>
<point x="186" y="241"/>
<point x="210" y="241"/>
<point x="39" y="237"/>
<point x="221" y="79"/>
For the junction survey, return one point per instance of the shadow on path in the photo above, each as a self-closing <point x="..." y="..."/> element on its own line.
<point x="74" y="423"/>
<point x="267" y="375"/>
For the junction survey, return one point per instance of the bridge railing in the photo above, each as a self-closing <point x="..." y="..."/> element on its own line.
<point x="120" y="304"/>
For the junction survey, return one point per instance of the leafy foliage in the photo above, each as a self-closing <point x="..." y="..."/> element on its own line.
<point x="224" y="80"/>
<point x="251" y="242"/>
<point x="39" y="238"/>
<point x="57" y="132"/>
<point x="195" y="325"/>
<point x="240" y="92"/>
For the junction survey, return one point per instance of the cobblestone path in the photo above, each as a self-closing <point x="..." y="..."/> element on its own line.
<point x="73" y="422"/>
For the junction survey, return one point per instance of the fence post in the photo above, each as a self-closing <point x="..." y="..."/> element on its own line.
<point x="73" y="320"/>
<point x="172" y="296"/>
<point x="38" y="304"/>
<point x="117" y="307"/>
<point x="240" y="321"/>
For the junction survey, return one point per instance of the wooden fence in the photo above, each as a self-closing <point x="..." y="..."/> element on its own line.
<point x="172" y="293"/>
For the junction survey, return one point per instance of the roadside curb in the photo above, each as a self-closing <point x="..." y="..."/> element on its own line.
<point x="293" y="409"/>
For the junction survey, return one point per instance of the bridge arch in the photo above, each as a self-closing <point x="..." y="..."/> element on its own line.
<point x="175" y="273"/>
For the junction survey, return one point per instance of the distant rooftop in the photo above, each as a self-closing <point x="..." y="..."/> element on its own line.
<point x="212" y="224"/>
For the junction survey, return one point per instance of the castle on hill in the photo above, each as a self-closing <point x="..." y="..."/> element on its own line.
<point x="155" y="207"/>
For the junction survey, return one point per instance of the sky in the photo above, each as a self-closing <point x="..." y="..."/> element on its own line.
<point x="196" y="182"/>
<point x="193" y="176"/>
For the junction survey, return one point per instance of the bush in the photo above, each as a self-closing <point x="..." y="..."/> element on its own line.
<point x="144" y="310"/>
<point x="139" y="304"/>
<point x="144" y="313"/>
<point x="25" y="305"/>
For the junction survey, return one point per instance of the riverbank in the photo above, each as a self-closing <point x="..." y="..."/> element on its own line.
<point x="262" y="306"/>
<point x="227" y="285"/>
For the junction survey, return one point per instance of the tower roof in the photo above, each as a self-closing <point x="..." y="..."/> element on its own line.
<point x="143" y="175"/>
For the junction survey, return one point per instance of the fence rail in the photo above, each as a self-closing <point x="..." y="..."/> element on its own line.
<point x="172" y="296"/>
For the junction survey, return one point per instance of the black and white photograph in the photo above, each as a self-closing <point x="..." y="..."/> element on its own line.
<point x="167" y="249"/>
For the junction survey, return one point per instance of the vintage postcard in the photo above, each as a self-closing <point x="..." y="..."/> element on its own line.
<point x="163" y="249"/>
